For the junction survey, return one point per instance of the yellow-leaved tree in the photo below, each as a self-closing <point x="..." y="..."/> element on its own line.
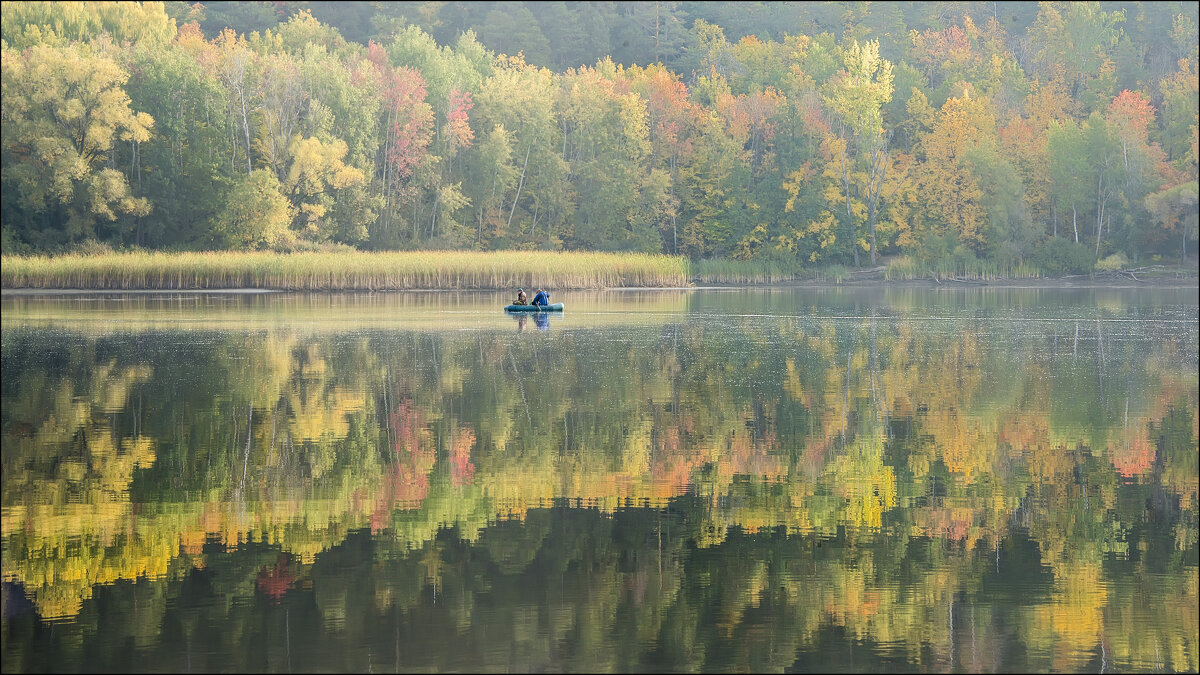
<point x="952" y="193"/>
<point x="256" y="215"/>
<point x="856" y="95"/>
<point x="64" y="109"/>
<point x="317" y="174"/>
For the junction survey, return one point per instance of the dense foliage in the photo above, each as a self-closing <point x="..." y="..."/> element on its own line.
<point x="1053" y="134"/>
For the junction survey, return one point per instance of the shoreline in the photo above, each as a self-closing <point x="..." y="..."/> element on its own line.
<point x="1051" y="282"/>
<point x="1158" y="283"/>
<point x="503" y="271"/>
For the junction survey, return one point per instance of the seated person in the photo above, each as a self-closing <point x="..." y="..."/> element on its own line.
<point x="521" y="300"/>
<point x="542" y="299"/>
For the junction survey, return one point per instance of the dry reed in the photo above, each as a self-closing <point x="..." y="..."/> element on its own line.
<point x="905" y="268"/>
<point x="407" y="270"/>
<point x="743" y="272"/>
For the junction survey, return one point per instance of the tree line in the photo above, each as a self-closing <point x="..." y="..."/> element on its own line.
<point x="1054" y="135"/>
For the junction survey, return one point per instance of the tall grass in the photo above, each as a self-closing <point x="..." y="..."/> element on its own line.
<point x="408" y="270"/>
<point x="742" y="272"/>
<point x="906" y="268"/>
<point x="764" y="272"/>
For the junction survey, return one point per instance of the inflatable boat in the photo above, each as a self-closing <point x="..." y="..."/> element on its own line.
<point x="556" y="307"/>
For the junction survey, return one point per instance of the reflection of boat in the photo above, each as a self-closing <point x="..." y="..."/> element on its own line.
<point x="540" y="319"/>
<point x="556" y="307"/>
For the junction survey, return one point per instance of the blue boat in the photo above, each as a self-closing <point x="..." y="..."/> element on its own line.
<point x="556" y="307"/>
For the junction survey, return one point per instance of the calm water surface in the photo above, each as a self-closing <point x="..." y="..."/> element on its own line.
<point x="768" y="480"/>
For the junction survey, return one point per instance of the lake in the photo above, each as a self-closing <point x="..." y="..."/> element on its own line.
<point x="888" y="479"/>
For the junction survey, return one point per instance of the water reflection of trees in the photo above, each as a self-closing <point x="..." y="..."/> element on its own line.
<point x="864" y="475"/>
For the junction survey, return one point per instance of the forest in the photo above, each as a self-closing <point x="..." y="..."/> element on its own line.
<point x="1054" y="136"/>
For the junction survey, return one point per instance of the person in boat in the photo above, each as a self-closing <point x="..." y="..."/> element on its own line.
<point x="521" y="298"/>
<point x="541" y="299"/>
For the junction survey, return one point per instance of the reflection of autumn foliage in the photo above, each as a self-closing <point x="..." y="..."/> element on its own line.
<point x="919" y="442"/>
<point x="674" y="461"/>
<point x="1049" y="463"/>
<point x="67" y="478"/>
<point x="325" y="417"/>
<point x="461" y="467"/>
<point x="960" y="441"/>
<point x="951" y="523"/>
<point x="319" y="408"/>
<point x="1025" y="431"/>
<point x="1134" y="456"/>
<point x="405" y="482"/>
<point x="409" y="422"/>
<point x="274" y="582"/>
<point x="865" y="483"/>
<point x="1070" y="625"/>
<point x="404" y="485"/>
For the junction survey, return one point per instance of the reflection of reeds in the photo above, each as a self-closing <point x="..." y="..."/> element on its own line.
<point x="346" y="271"/>
<point x="105" y="313"/>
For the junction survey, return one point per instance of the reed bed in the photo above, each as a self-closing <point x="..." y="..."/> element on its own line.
<point x="906" y="268"/>
<point x="742" y="272"/>
<point x="345" y="271"/>
<point x="755" y="272"/>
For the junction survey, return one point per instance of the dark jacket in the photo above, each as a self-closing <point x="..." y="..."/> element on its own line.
<point x="542" y="299"/>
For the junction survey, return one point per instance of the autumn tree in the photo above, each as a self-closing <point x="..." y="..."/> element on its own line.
<point x="521" y="98"/>
<point x="489" y="175"/>
<point x="856" y="96"/>
<point x="1180" y="110"/>
<point x="1130" y="116"/>
<point x="29" y="23"/>
<point x="65" y="109"/>
<point x="318" y="173"/>
<point x="1074" y="41"/>
<point x="951" y="190"/>
<point x="182" y="157"/>
<point x="671" y="122"/>
<point x="407" y="128"/>
<point x="1023" y="139"/>
<point x="234" y="63"/>
<point x="256" y="215"/>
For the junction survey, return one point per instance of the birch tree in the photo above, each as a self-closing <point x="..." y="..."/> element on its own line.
<point x="856" y="95"/>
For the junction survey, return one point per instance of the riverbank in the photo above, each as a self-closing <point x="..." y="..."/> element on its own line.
<point x="494" y="270"/>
